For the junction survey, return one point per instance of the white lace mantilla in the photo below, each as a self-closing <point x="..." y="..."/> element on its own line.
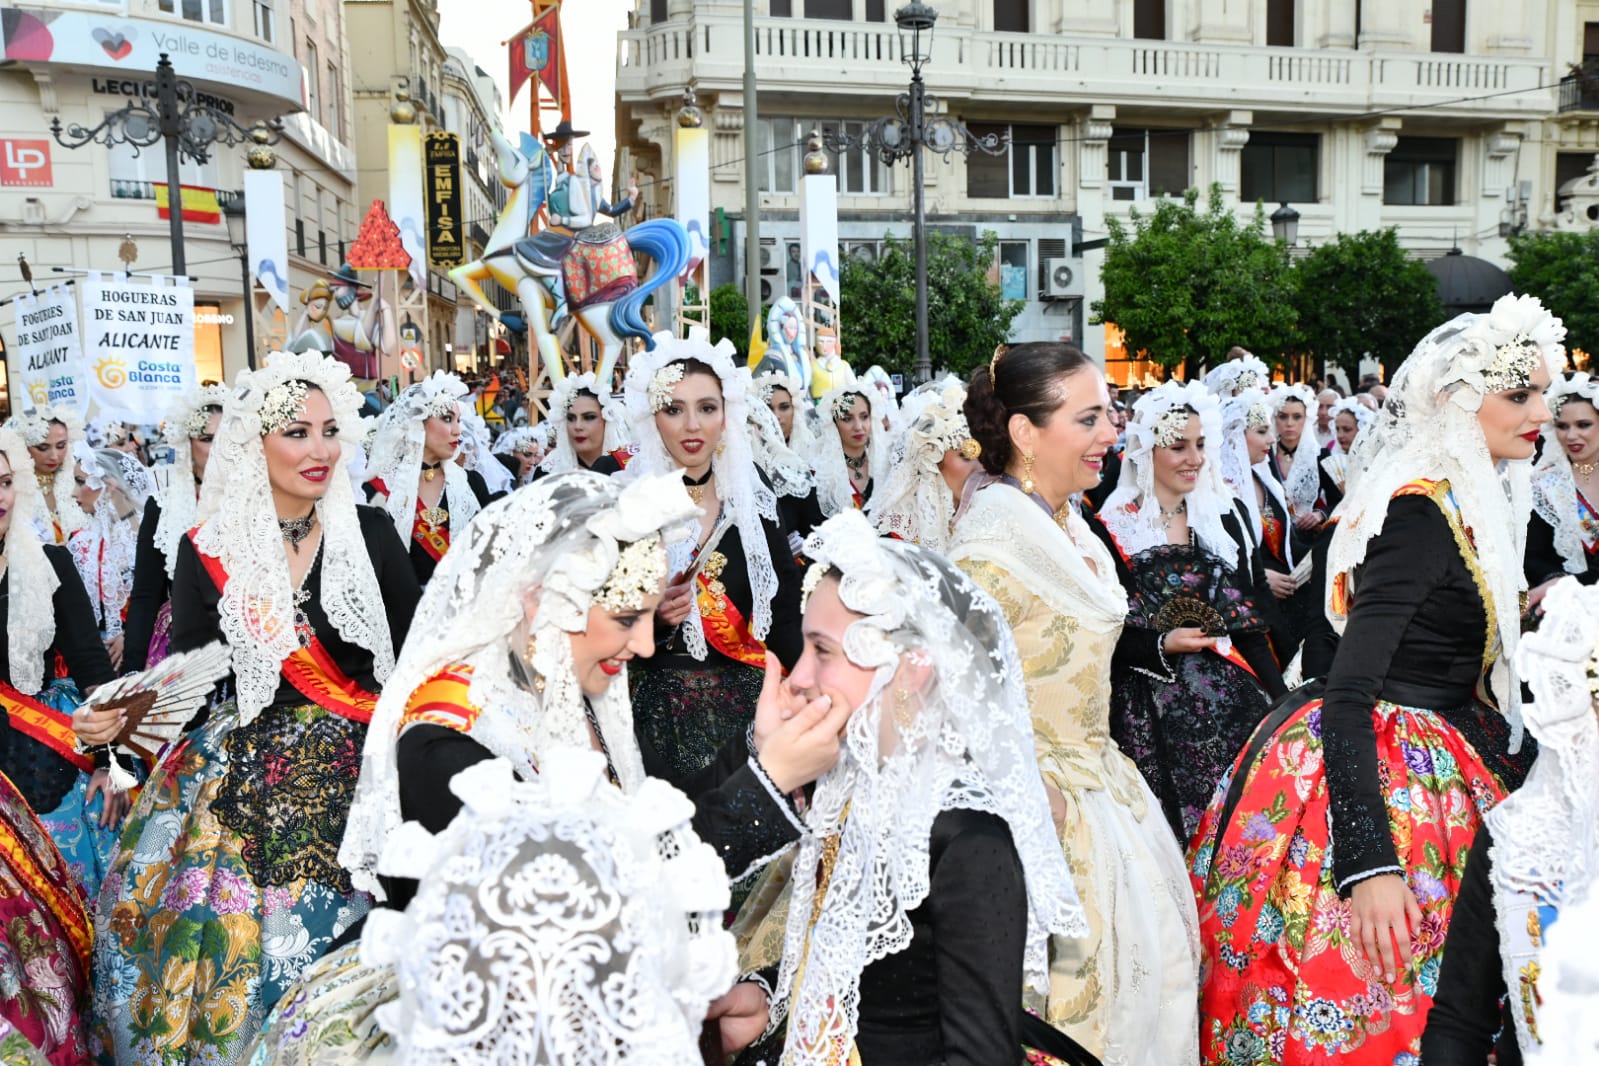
<point x="31" y="580"/>
<point x="397" y="447"/>
<point x="833" y="489"/>
<point x="613" y="414"/>
<point x="914" y="502"/>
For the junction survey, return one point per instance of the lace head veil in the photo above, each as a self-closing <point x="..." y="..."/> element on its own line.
<point x="1302" y="480"/>
<point x="32" y="424"/>
<point x="789" y="474"/>
<point x="32" y="581"/>
<point x="564" y="535"/>
<point x="562" y="456"/>
<point x="1131" y="512"/>
<point x="1239" y="414"/>
<point x="175" y="482"/>
<point x="963" y="739"/>
<point x="1429" y="429"/>
<point x="557" y="921"/>
<point x="1554" y="489"/>
<point x="477" y="454"/>
<point x="1363" y="416"/>
<point x="238" y="526"/>
<point x="739" y="484"/>
<point x="397" y="447"/>
<point x="914" y="502"/>
<point x="1238" y="377"/>
<point x="801" y="438"/>
<point x="104" y="549"/>
<point x="1545" y="842"/>
<point x="833" y="489"/>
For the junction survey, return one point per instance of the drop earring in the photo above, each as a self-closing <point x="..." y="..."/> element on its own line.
<point x="902" y="715"/>
<point x="1027" y="473"/>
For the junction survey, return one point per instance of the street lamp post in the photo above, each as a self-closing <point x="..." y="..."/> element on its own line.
<point x="189" y="128"/>
<point x="238" y="237"/>
<point x="1285" y="224"/>
<point x="917" y="125"/>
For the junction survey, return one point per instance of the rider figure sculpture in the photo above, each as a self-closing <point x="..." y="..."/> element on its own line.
<point x="576" y="200"/>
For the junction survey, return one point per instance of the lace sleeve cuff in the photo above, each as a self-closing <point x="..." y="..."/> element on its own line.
<point x="783" y="802"/>
<point x="1352" y="880"/>
<point x="1168" y="676"/>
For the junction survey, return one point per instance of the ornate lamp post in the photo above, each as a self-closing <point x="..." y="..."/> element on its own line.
<point x="1285" y="224"/>
<point x="917" y="125"/>
<point x="190" y="129"/>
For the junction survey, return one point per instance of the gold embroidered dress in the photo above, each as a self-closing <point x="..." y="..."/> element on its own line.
<point x="1128" y="991"/>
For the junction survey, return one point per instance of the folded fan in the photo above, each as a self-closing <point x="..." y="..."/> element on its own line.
<point x="160" y="701"/>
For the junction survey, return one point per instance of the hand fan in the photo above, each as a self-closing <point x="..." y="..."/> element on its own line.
<point x="160" y="701"/>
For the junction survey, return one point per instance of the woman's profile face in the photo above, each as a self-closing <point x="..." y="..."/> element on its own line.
<point x="443" y="436"/>
<point x="1512" y="420"/>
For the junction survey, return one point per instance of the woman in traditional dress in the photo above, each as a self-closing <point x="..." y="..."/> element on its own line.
<point x="1535" y="852"/>
<point x="1563" y="532"/>
<point x="734" y="595"/>
<point x="1350" y="418"/>
<point x="789" y="475"/>
<point x="190" y="429"/>
<point x="1283" y="546"/>
<point x="521" y="450"/>
<point x="785" y="399"/>
<point x="233" y="849"/>
<point x="930" y="883"/>
<point x="589" y="434"/>
<point x="53" y="657"/>
<point x="476" y="455"/>
<point x="1329" y="861"/>
<point x="1125" y="991"/>
<point x="412" y="473"/>
<point x="1295" y="459"/>
<point x="50" y="435"/>
<point x="1194" y="672"/>
<point x="1243" y="376"/>
<point x="112" y="488"/>
<point x="928" y="465"/>
<point x="851" y="456"/>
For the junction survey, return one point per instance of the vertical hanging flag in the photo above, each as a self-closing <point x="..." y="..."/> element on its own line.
<point x="536" y="51"/>
<point x="266" y="234"/>
<point x="692" y="173"/>
<point x="406" y="204"/>
<point x="445" y="231"/>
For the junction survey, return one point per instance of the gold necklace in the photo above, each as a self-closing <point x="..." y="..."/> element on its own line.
<point x="1584" y="469"/>
<point x="696" y="489"/>
<point x="430" y="472"/>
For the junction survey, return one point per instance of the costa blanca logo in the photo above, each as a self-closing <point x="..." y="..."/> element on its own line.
<point x="39" y="392"/>
<point x="112" y="372"/>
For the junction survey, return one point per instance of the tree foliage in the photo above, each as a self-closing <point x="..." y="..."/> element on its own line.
<point x="1185" y="285"/>
<point x="966" y="315"/>
<point x="730" y="313"/>
<point x="1562" y="270"/>
<point x="1361" y="294"/>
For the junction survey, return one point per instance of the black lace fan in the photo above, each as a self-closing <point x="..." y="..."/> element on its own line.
<point x="1176" y="586"/>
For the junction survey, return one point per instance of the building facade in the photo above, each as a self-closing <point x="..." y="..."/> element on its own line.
<point x="471" y="104"/>
<point x="76" y="208"/>
<point x="1438" y="117"/>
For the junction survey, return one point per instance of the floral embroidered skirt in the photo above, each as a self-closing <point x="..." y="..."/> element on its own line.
<point x="44" y="986"/>
<point x="330" y="1017"/>
<point x="1283" y="981"/>
<point x="226" y="885"/>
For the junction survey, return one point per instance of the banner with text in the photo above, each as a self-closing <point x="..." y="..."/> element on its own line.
<point x="47" y="364"/>
<point x="446" y="237"/>
<point x="139" y="346"/>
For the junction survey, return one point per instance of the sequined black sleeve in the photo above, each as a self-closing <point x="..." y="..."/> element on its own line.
<point x="1403" y="565"/>
<point x="1465" y="1009"/>
<point x="150" y="587"/>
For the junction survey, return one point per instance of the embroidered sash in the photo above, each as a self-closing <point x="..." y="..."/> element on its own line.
<point x="622" y="456"/>
<point x="43" y="874"/>
<point x="310" y="668"/>
<point x="724" y="624"/>
<point x="435" y="540"/>
<point x="44" y="723"/>
<point x="442" y="700"/>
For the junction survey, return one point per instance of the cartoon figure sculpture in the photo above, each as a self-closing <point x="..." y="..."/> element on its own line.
<point x="578" y="266"/>
<point x="353" y="339"/>
<point x="785" y="343"/>
<point x="828" y="367"/>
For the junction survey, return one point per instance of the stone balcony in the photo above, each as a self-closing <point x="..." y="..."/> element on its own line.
<point x="818" y="57"/>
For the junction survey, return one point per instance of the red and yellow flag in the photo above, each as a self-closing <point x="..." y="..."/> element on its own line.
<point x="199" y="204"/>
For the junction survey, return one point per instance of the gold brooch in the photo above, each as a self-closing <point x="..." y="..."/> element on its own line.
<point x="434" y="516"/>
<point x="971" y="449"/>
<point x="715" y="563"/>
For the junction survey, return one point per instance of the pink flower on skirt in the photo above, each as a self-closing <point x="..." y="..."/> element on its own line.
<point x="233" y="893"/>
<point x="187" y="889"/>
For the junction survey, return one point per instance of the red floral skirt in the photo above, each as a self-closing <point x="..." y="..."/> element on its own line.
<point x="1282" y="980"/>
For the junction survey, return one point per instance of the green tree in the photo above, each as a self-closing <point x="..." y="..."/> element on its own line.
<point x="1185" y="285"/>
<point x="730" y="313"/>
<point x="1361" y="294"/>
<point x="1562" y="270"/>
<point x="966" y="316"/>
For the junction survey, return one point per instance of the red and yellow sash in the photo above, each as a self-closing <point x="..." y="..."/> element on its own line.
<point x="442" y="700"/>
<point x="1338" y="597"/>
<point x="622" y="457"/>
<point x="310" y="669"/>
<point x="44" y="723"/>
<point x="45" y="874"/>
<point x="435" y="540"/>
<point x="722" y="621"/>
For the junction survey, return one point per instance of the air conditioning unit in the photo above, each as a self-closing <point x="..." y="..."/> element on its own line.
<point x="1060" y="280"/>
<point x="766" y="290"/>
<point x="768" y="254"/>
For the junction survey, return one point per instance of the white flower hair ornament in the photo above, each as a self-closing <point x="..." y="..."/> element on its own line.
<point x="237" y="524"/>
<point x="1501" y="350"/>
<point x="914" y="502"/>
<point x="562" y="457"/>
<point x="948" y="681"/>
<point x="746" y="497"/>
<point x="188" y="417"/>
<point x="557" y="920"/>
<point x="1568" y="387"/>
<point x="1238" y="376"/>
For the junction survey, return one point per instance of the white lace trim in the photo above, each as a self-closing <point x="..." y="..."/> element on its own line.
<point x="613" y="413"/>
<point x="745" y="497"/>
<point x="32" y="581"/>
<point x="1554" y="489"/>
<point x="914" y="502"/>
<point x="963" y="741"/>
<point x="477" y="455"/>
<point x="1302" y="481"/>
<point x="1429" y="429"/>
<point x="238" y="526"/>
<point x="397" y="448"/>
<point x="563" y="536"/>
<point x="789" y="474"/>
<point x="833" y="489"/>
<point x="103" y="552"/>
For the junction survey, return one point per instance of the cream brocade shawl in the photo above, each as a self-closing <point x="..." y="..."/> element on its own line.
<point x="1128" y="991"/>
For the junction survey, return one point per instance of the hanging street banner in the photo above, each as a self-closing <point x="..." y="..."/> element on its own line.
<point x="536" y="52"/>
<point x="406" y="204"/>
<point x="446" y="233"/>
<point x="138" y="345"/>
<point x="46" y="366"/>
<point x="266" y="234"/>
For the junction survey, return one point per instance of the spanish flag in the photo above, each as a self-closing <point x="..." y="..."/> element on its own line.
<point x="199" y="204"/>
